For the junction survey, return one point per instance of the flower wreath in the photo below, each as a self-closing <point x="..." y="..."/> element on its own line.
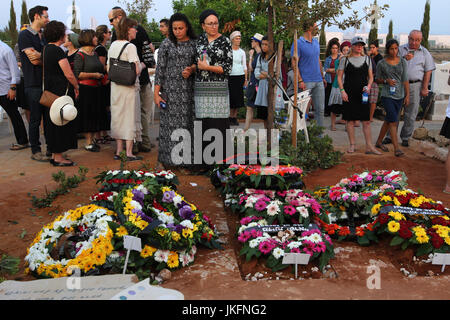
<point x="88" y="250"/>
<point x="237" y="177"/>
<point x="257" y="244"/>
<point x="427" y="228"/>
<point x="164" y="218"/>
<point x="116" y="180"/>
<point x="294" y="206"/>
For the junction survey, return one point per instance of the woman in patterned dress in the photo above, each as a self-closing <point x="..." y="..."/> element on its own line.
<point x="174" y="87"/>
<point x="212" y="102"/>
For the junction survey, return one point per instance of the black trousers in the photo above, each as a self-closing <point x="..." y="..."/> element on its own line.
<point x="11" y="109"/>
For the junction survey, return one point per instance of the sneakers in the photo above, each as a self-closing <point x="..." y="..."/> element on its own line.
<point x="386" y="140"/>
<point x="39" y="156"/>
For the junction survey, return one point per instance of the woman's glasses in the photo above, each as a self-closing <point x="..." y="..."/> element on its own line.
<point x="112" y="19"/>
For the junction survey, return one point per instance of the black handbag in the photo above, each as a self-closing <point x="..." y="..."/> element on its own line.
<point x="122" y="72"/>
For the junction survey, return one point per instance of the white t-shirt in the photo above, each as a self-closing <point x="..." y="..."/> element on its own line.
<point x="239" y="63"/>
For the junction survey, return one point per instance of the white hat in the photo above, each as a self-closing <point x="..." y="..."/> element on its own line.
<point x="234" y="34"/>
<point x="63" y="110"/>
<point x="258" y="37"/>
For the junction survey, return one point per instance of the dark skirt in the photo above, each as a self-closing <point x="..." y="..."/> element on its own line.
<point x="250" y="94"/>
<point x="261" y="112"/>
<point x="392" y="108"/>
<point x="236" y="88"/>
<point x="90" y="109"/>
<point x="336" y="108"/>
<point x="105" y="118"/>
<point x="445" y="131"/>
<point x="355" y="109"/>
<point x="60" y="138"/>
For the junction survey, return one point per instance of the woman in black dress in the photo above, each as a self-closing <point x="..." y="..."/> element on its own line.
<point x="89" y="71"/>
<point x="357" y="69"/>
<point x="60" y="80"/>
<point x="174" y="86"/>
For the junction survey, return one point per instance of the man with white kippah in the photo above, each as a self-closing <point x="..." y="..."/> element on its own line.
<point x="238" y="77"/>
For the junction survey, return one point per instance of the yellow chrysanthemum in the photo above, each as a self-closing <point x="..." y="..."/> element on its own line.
<point x="175" y="236"/>
<point x="397" y="203"/>
<point x="397" y="215"/>
<point x="393" y="226"/>
<point x="148" y="251"/>
<point x="172" y="260"/>
<point x="447" y="240"/>
<point x="401" y="193"/>
<point x="419" y="231"/>
<point x="163" y="231"/>
<point x="121" y="231"/>
<point x="386" y="198"/>
<point x="376" y="209"/>
<point x="422" y="238"/>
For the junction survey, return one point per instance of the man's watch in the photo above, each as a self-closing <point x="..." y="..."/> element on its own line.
<point x="13" y="88"/>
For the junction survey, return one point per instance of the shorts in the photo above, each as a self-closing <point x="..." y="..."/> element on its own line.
<point x="392" y="108"/>
<point x="373" y="96"/>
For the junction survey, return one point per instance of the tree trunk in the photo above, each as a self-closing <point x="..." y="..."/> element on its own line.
<point x="270" y="94"/>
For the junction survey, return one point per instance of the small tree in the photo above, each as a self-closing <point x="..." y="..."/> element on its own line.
<point x="12" y="25"/>
<point x="24" y="19"/>
<point x="322" y="41"/>
<point x="425" y="27"/>
<point x="390" y="34"/>
<point x="75" y="25"/>
<point x="373" y="34"/>
<point x="138" y="9"/>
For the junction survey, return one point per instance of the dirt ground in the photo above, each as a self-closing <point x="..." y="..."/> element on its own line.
<point x="222" y="274"/>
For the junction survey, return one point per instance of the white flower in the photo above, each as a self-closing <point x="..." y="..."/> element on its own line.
<point x="278" y="253"/>
<point x="315" y="238"/>
<point x="137" y="174"/>
<point x="115" y="172"/>
<point x="187" y="224"/>
<point x="303" y="212"/>
<point x="149" y="174"/>
<point x="253" y="243"/>
<point x="125" y="172"/>
<point x="161" y="255"/>
<point x="294" y="244"/>
<point x="177" y="199"/>
<point x="273" y="209"/>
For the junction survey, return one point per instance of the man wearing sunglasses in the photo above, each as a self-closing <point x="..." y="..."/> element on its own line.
<point x="31" y="44"/>
<point x="145" y="51"/>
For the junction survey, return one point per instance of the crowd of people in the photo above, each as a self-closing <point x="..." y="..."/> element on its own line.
<point x="205" y="78"/>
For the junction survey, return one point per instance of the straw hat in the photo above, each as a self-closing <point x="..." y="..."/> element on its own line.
<point x="63" y="111"/>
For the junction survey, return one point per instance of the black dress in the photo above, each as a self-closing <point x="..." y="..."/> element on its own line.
<point x="355" y="81"/>
<point x="89" y="104"/>
<point x="59" y="138"/>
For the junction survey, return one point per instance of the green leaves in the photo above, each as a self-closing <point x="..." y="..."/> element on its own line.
<point x="397" y="240"/>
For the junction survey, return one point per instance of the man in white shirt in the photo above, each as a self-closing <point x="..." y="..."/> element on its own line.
<point x="9" y="79"/>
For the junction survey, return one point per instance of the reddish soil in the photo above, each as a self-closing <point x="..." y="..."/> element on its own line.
<point x="221" y="274"/>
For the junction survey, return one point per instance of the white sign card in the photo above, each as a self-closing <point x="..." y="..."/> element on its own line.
<point x="131" y="243"/>
<point x="441" y="258"/>
<point x="296" y="258"/>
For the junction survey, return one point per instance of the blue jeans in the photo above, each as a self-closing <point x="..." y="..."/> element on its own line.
<point x="33" y="95"/>
<point x="317" y="93"/>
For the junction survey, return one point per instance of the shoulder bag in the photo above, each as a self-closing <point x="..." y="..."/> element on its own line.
<point x="47" y="97"/>
<point x="120" y="71"/>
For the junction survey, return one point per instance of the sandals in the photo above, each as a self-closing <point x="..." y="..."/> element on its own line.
<point x="92" y="147"/>
<point x="134" y="158"/>
<point x="16" y="146"/>
<point x="382" y="147"/>
<point x="351" y="149"/>
<point x="62" y="164"/>
<point x="399" y="153"/>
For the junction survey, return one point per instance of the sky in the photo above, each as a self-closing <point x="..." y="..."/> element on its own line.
<point x="405" y="14"/>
